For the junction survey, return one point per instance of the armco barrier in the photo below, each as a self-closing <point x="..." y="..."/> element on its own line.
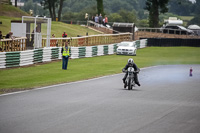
<point x="94" y="50"/>
<point x="26" y="57"/>
<point x="55" y="53"/>
<point x="105" y="50"/>
<point x="82" y="52"/>
<point x="137" y="44"/>
<point x="2" y="59"/>
<point x="12" y="59"/>
<point x="88" y="51"/>
<point x="38" y="55"/>
<point x="23" y="58"/>
<point x="100" y="50"/>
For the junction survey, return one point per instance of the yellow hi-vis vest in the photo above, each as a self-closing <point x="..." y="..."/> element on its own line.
<point x="65" y="51"/>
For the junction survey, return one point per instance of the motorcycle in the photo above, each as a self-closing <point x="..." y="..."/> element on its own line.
<point x="130" y="79"/>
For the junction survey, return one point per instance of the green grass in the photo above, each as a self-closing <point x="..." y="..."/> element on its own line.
<point x="10" y="9"/>
<point x="57" y="28"/>
<point x="186" y="19"/>
<point x="8" y="13"/>
<point x="5" y="27"/>
<point x="72" y="30"/>
<point x="85" y="68"/>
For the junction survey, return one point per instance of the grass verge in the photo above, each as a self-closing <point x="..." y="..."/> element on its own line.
<point x="85" y="68"/>
<point x="57" y="28"/>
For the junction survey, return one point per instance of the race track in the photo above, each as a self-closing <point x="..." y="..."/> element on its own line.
<point x="168" y="101"/>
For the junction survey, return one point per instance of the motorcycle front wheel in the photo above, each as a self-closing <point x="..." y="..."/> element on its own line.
<point x="129" y="85"/>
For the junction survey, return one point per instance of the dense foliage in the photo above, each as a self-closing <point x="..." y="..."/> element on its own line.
<point x="196" y="19"/>
<point x="156" y="7"/>
<point x="76" y="9"/>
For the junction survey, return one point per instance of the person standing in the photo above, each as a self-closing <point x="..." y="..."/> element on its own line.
<point x="65" y="55"/>
<point x="100" y="19"/>
<point x="191" y="72"/>
<point x="96" y="19"/>
<point x="64" y="35"/>
<point x="9" y="36"/>
<point x="103" y="21"/>
<point x="106" y="20"/>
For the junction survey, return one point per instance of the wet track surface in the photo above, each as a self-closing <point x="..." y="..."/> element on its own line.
<point x="167" y="102"/>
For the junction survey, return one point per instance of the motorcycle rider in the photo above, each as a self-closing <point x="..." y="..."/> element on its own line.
<point x="136" y="69"/>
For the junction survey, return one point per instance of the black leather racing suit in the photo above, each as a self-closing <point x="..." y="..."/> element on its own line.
<point x="136" y="69"/>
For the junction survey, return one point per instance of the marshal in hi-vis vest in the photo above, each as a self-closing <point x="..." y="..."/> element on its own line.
<point x="65" y="51"/>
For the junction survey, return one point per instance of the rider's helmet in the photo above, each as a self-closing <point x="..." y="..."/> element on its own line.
<point x="130" y="61"/>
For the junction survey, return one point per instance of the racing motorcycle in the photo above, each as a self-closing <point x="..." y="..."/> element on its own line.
<point x="130" y="79"/>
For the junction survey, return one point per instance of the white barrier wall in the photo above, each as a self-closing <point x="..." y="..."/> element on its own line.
<point x="28" y="57"/>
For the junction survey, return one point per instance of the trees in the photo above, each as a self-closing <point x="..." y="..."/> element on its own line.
<point x="100" y="7"/>
<point x="60" y="10"/>
<point x="196" y="19"/>
<point x="37" y="10"/>
<point x="15" y="3"/>
<point x="178" y="7"/>
<point x="51" y="5"/>
<point x="123" y="16"/>
<point x="155" y="7"/>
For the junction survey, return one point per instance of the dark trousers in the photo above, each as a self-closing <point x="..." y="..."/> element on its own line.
<point x="64" y="62"/>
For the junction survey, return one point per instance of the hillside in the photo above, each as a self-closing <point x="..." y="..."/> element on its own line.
<point x="11" y="11"/>
<point x="8" y="13"/>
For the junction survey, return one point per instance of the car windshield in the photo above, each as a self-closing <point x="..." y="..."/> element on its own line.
<point x="125" y="44"/>
<point x="181" y="27"/>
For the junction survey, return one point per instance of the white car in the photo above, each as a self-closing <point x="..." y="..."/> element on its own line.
<point x="126" y="48"/>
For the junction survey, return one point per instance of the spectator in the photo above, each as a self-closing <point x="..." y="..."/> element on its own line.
<point x="1" y="36"/>
<point x="53" y="42"/>
<point x="65" y="55"/>
<point x="64" y="35"/>
<point x="106" y="20"/>
<point x="96" y="19"/>
<point x="53" y="36"/>
<point x="93" y="19"/>
<point x="191" y="72"/>
<point x="100" y="19"/>
<point x="9" y="36"/>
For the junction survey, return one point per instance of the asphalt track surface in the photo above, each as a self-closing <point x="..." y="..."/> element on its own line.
<point x="167" y="102"/>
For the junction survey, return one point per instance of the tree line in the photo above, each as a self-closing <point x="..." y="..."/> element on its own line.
<point x="143" y="12"/>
